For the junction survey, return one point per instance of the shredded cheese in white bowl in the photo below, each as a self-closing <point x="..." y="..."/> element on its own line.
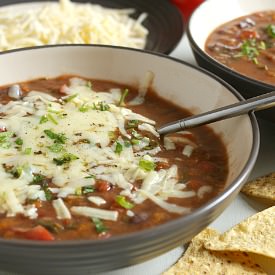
<point x="37" y="24"/>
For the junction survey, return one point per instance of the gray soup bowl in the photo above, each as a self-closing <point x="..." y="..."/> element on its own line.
<point x="187" y="86"/>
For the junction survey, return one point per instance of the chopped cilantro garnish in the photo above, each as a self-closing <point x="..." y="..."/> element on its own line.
<point x="147" y="165"/>
<point x="57" y="112"/>
<point x="152" y="144"/>
<point x="118" y="148"/>
<point x="49" y="117"/>
<point x="99" y="225"/>
<point x="122" y="98"/>
<point x="84" y="190"/>
<point x="48" y="193"/>
<point x="52" y="119"/>
<point x="101" y="106"/>
<point x="59" y="138"/>
<point x="70" y="98"/>
<point x="17" y="171"/>
<point x="56" y="148"/>
<point x="90" y="177"/>
<point x="38" y="178"/>
<point x="135" y="141"/>
<point x="270" y="29"/>
<point x="136" y="135"/>
<point x="88" y="189"/>
<point x="127" y="143"/>
<point x="121" y="200"/>
<point x="5" y="139"/>
<point x="43" y="119"/>
<point x="19" y="141"/>
<point x="262" y="45"/>
<point x="84" y="108"/>
<point x="132" y="123"/>
<point x="28" y="151"/>
<point x="66" y="158"/>
<point x="249" y="49"/>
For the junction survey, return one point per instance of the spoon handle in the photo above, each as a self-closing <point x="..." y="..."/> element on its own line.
<point x="261" y="102"/>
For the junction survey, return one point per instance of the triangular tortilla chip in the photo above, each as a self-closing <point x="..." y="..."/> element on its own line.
<point x="198" y="261"/>
<point x="262" y="188"/>
<point x="256" y="234"/>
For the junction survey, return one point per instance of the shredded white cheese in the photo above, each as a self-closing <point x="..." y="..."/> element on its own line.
<point x="70" y="141"/>
<point x="96" y="200"/>
<point x="95" y="213"/>
<point x="67" y="22"/>
<point x="62" y="212"/>
<point x="187" y="150"/>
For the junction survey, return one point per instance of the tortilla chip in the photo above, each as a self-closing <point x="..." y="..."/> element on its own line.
<point x="266" y="263"/>
<point x="198" y="261"/>
<point x="254" y="235"/>
<point x="262" y="188"/>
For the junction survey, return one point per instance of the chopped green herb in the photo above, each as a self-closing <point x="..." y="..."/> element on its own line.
<point x="56" y="148"/>
<point x="122" y="98"/>
<point x="249" y="49"/>
<point x="59" y="138"/>
<point x="14" y="171"/>
<point x="255" y="60"/>
<point x="147" y="165"/>
<point x="90" y="177"/>
<point x="132" y="123"/>
<point x="270" y="29"/>
<point x="121" y="200"/>
<point x="152" y="144"/>
<point x="66" y="158"/>
<point x="89" y="84"/>
<point x="99" y="225"/>
<point x="5" y="139"/>
<point x="17" y="171"/>
<point x="101" y="106"/>
<point x="84" y="108"/>
<point x="262" y="45"/>
<point x="38" y="178"/>
<point x="19" y="141"/>
<point x="136" y="135"/>
<point x="88" y="189"/>
<point x="84" y="190"/>
<point x="70" y="98"/>
<point x="52" y="119"/>
<point x="43" y="119"/>
<point x="135" y="141"/>
<point x="28" y="151"/>
<point x="118" y="148"/>
<point x="57" y="112"/>
<point x="127" y="143"/>
<point x="48" y="193"/>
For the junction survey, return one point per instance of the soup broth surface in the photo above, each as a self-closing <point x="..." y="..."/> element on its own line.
<point x="80" y="159"/>
<point x="246" y="45"/>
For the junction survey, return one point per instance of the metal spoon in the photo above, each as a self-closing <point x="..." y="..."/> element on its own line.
<point x="257" y="103"/>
